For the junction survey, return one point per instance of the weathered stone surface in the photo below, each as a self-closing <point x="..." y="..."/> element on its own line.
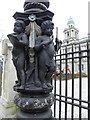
<point x="32" y="103"/>
<point x="7" y="106"/>
<point x="33" y="54"/>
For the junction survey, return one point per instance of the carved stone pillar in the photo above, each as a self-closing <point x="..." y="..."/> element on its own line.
<point x="35" y="97"/>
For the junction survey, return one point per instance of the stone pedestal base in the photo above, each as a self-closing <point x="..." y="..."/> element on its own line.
<point x="46" y="115"/>
<point x="34" y="106"/>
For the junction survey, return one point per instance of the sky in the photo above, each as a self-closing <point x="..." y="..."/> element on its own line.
<point x="63" y="9"/>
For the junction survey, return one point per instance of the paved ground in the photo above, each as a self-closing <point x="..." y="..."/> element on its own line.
<point x="76" y="95"/>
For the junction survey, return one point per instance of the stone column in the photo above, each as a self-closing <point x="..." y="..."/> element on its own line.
<point x="33" y="52"/>
<point x="8" y="78"/>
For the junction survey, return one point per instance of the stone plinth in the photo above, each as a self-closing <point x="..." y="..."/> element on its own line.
<point x="7" y="106"/>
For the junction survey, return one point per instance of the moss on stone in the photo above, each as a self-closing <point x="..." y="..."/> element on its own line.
<point x="15" y="110"/>
<point x="10" y="104"/>
<point x="12" y="108"/>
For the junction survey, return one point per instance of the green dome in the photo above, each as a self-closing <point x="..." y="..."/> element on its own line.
<point x="70" y="20"/>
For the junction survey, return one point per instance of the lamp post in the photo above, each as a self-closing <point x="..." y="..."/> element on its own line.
<point x="33" y="52"/>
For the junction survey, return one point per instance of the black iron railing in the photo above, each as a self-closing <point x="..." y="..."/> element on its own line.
<point x="72" y="85"/>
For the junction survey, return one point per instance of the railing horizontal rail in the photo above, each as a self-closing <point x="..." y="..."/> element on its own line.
<point x="80" y="106"/>
<point x="73" y="98"/>
<point x="74" y="57"/>
<point x="72" y="52"/>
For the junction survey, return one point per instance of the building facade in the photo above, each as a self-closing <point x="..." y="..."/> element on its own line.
<point x="71" y="43"/>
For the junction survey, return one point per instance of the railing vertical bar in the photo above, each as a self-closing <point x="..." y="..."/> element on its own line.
<point x="72" y="109"/>
<point x="60" y="89"/>
<point x="55" y="91"/>
<point x="80" y="81"/>
<point x="88" y="67"/>
<point x="66" y="84"/>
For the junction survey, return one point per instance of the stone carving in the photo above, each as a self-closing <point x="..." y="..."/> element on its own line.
<point x="34" y="63"/>
<point x="34" y="104"/>
<point x="33" y="52"/>
<point x="45" y="52"/>
<point x="20" y="41"/>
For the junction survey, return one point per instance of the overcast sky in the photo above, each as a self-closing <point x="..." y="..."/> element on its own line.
<point x="63" y="9"/>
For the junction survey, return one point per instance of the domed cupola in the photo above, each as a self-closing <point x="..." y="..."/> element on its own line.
<point x="70" y="22"/>
<point x="70" y="33"/>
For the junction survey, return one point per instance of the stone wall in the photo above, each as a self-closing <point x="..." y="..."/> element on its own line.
<point x="7" y="107"/>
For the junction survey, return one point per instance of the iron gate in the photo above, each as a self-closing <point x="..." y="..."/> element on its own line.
<point x="72" y="85"/>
